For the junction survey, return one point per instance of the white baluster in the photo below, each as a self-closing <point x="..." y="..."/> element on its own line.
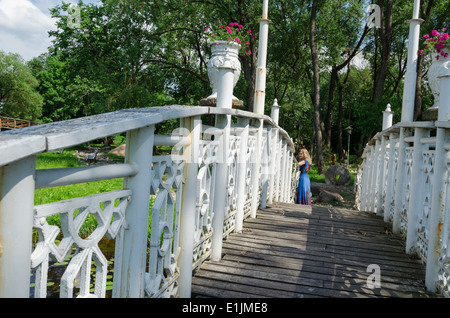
<point x="224" y="100"/>
<point x="188" y="208"/>
<point x="416" y="197"/>
<point x="400" y="186"/>
<point x="441" y="177"/>
<point x="16" y="226"/>
<point x="131" y="249"/>
<point x="242" y="166"/>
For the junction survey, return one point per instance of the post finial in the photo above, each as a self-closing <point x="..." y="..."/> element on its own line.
<point x="388" y="108"/>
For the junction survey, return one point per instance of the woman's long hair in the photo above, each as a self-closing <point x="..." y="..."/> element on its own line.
<point x="307" y="156"/>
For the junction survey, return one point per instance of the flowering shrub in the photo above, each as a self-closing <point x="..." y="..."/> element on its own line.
<point x="233" y="32"/>
<point x="437" y="42"/>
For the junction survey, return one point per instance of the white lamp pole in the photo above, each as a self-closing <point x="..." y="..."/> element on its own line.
<point x="258" y="106"/>
<point x="409" y="90"/>
<point x="260" y="83"/>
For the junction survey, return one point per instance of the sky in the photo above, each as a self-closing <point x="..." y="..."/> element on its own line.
<point x="24" y="26"/>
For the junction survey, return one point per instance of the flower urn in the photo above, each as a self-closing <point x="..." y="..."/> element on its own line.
<point x="221" y="51"/>
<point x="435" y="70"/>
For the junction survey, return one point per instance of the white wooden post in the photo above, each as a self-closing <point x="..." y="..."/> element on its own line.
<point x="399" y="188"/>
<point x="381" y="177"/>
<point x="290" y="175"/>
<point x="287" y="187"/>
<point x="438" y="208"/>
<point x="258" y="107"/>
<point x="16" y="226"/>
<point x="416" y="197"/>
<point x="224" y="100"/>
<point x="274" y="114"/>
<point x="265" y="169"/>
<point x="270" y="168"/>
<point x="365" y="180"/>
<point x="242" y="174"/>
<point x="374" y="179"/>
<point x="283" y="170"/>
<point x="387" y="117"/>
<point x="256" y="175"/>
<point x="279" y="147"/>
<point x="129" y="272"/>
<point x="260" y="83"/>
<point x="188" y="207"/>
<point x="388" y="211"/>
<point x="275" y="111"/>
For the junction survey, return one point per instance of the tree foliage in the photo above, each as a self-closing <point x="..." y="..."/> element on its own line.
<point x="18" y="96"/>
<point x="325" y="67"/>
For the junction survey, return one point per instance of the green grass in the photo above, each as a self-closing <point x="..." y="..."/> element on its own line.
<point x="66" y="159"/>
<point x="55" y="194"/>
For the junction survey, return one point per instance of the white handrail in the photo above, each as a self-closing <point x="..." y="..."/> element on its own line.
<point x="183" y="183"/>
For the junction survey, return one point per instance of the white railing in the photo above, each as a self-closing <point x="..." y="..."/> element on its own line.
<point x="202" y="192"/>
<point x="405" y="177"/>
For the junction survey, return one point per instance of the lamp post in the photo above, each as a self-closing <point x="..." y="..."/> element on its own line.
<point x="349" y="132"/>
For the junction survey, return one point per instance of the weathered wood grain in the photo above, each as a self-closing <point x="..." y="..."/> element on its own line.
<point x="293" y="251"/>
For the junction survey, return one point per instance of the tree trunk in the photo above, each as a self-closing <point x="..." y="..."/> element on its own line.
<point x="328" y="119"/>
<point x="316" y="93"/>
<point x="418" y="98"/>
<point x="249" y="67"/>
<point x="386" y="39"/>
<point x="334" y="78"/>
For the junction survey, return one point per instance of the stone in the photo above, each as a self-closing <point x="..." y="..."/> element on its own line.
<point x="316" y="187"/>
<point x="337" y="175"/>
<point x="119" y="150"/>
<point x="329" y="196"/>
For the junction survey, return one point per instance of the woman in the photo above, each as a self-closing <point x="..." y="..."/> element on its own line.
<point x="304" y="184"/>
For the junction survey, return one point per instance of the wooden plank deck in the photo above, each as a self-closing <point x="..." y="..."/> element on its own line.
<point x="294" y="251"/>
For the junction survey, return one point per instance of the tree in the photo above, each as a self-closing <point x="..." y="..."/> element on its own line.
<point x="18" y="95"/>
<point x="316" y="88"/>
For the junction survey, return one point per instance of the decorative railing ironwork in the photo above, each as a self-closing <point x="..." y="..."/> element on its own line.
<point x="158" y="242"/>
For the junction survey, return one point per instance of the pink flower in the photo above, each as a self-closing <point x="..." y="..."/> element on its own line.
<point x="434" y="33"/>
<point x="421" y="52"/>
<point x="426" y="36"/>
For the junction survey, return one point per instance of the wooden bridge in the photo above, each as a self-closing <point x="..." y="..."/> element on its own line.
<point x="7" y="123"/>
<point x="295" y="251"/>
